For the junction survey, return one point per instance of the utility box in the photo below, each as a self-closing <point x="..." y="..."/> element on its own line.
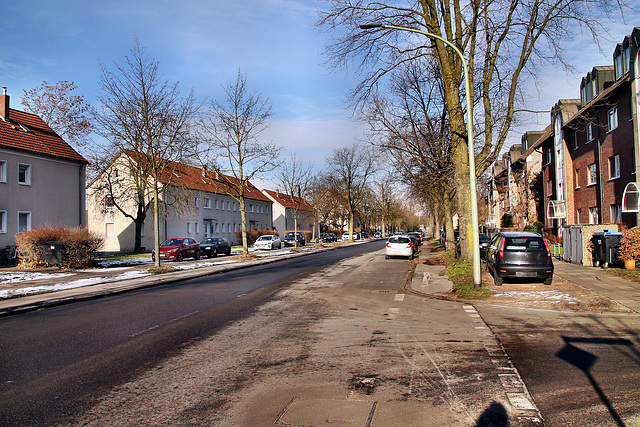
<point x="53" y="253"/>
<point x="605" y="247"/>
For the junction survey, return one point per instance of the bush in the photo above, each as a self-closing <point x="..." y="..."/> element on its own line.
<point x="78" y="244"/>
<point x="630" y="244"/>
<point x="252" y="235"/>
<point x="506" y="221"/>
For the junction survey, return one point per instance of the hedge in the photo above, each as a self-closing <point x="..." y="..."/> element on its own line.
<point x="78" y="244"/>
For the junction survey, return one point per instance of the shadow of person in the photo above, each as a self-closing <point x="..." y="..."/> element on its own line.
<point x="494" y="416"/>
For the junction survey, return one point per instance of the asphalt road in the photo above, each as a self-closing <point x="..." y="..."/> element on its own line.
<point x="581" y="368"/>
<point x="56" y="362"/>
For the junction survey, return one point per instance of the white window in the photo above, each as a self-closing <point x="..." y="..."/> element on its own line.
<point x="188" y="228"/>
<point x="228" y="205"/>
<point x="110" y="229"/>
<point x="3" y="222"/>
<point x="547" y="156"/>
<point x="24" y="221"/>
<point x="577" y="178"/>
<point x="217" y="227"/>
<point x="575" y="140"/>
<point x="593" y="215"/>
<point x="592" y="177"/>
<point x="216" y="203"/>
<point x="196" y="225"/>
<point x="612" y="119"/>
<point x="234" y="206"/>
<point x="614" y="167"/>
<point x="229" y="228"/>
<point x="207" y="203"/>
<point x="222" y="227"/>
<point x="3" y="171"/>
<point x="267" y="209"/>
<point x="549" y="188"/>
<point x="616" y="214"/>
<point x="197" y="201"/>
<point x="24" y="174"/>
<point x="589" y="132"/>
<point x="579" y="216"/>
<point x="250" y="207"/>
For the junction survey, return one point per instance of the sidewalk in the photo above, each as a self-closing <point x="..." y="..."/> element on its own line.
<point x="430" y="279"/>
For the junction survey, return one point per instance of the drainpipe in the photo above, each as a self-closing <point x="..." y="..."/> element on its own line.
<point x="600" y="196"/>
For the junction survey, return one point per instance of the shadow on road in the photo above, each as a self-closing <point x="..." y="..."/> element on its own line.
<point x="584" y="361"/>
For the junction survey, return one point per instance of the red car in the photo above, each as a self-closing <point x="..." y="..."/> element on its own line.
<point x="177" y="249"/>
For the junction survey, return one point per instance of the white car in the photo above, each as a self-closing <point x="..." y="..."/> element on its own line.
<point x="268" y="241"/>
<point x="356" y="235"/>
<point x="400" y="246"/>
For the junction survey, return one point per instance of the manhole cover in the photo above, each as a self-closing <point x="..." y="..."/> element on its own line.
<point x="310" y="412"/>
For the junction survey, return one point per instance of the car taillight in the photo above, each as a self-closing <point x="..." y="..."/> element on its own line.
<point x="546" y="244"/>
<point x="501" y="249"/>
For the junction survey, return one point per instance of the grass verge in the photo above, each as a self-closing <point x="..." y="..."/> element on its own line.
<point x="461" y="274"/>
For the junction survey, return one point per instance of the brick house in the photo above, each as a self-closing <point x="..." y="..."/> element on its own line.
<point x="42" y="178"/>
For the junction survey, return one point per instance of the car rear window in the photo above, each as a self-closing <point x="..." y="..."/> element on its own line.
<point x="399" y="240"/>
<point x="524" y="244"/>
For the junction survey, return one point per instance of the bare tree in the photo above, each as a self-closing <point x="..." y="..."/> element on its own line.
<point x="60" y="108"/>
<point x="296" y="179"/>
<point x="231" y="131"/>
<point x="145" y="119"/>
<point x="351" y="170"/>
<point x="501" y="39"/>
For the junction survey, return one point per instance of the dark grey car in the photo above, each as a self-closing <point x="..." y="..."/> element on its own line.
<point x="519" y="255"/>
<point x="214" y="246"/>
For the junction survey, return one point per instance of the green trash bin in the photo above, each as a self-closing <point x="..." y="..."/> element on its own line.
<point x="53" y="253"/>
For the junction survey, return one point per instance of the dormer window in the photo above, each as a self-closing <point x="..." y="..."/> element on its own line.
<point x="622" y="62"/>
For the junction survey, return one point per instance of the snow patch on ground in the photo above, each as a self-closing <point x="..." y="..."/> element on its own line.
<point x="25" y="276"/>
<point x="201" y="264"/>
<point x="550" y="296"/>
<point x="4" y="294"/>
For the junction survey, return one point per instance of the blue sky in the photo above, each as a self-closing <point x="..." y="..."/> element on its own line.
<point x="203" y="43"/>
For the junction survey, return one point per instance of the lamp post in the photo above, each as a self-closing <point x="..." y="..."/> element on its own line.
<point x="475" y="238"/>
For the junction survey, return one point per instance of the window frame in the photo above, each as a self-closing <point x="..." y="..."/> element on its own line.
<point x="617" y="216"/>
<point x="28" y="214"/>
<point x="589" y="132"/>
<point x="593" y="215"/>
<point x="27" y="169"/>
<point x="206" y="203"/>
<point x="577" y="178"/>
<point x="616" y="167"/>
<point x="3" y="221"/>
<point x="592" y="175"/>
<point x="612" y="119"/>
<point x="106" y="229"/>
<point x="3" y="171"/>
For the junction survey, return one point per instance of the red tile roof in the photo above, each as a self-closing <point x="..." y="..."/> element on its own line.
<point x="200" y="179"/>
<point x="288" y="201"/>
<point x="35" y="137"/>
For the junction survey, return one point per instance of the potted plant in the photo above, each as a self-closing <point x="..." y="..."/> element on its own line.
<point x="629" y="248"/>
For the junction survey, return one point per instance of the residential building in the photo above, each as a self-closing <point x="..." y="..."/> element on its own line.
<point x="195" y="203"/>
<point x="42" y="178"/>
<point x="285" y="207"/>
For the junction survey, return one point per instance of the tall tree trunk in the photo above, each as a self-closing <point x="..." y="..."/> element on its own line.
<point x="243" y="214"/>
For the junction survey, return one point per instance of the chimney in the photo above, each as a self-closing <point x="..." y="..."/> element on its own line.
<point x="4" y="104"/>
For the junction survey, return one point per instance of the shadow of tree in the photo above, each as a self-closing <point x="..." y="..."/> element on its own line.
<point x="494" y="416"/>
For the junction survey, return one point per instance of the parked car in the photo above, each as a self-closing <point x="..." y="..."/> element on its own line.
<point x="345" y="236"/>
<point x="400" y="246"/>
<point x="328" y="237"/>
<point x="290" y="239"/>
<point x="484" y="241"/>
<point x="177" y="249"/>
<point x="364" y="235"/>
<point x="214" y="246"/>
<point x="378" y="235"/>
<point x="515" y="254"/>
<point x="268" y="241"/>
<point x="417" y="235"/>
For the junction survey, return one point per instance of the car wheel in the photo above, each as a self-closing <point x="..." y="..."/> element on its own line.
<point x="180" y="257"/>
<point x="497" y="279"/>
<point x="214" y="253"/>
<point x="386" y="257"/>
<point x="229" y="251"/>
<point x="605" y="264"/>
<point x="596" y="263"/>
<point x="548" y="281"/>
<point x="197" y="255"/>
